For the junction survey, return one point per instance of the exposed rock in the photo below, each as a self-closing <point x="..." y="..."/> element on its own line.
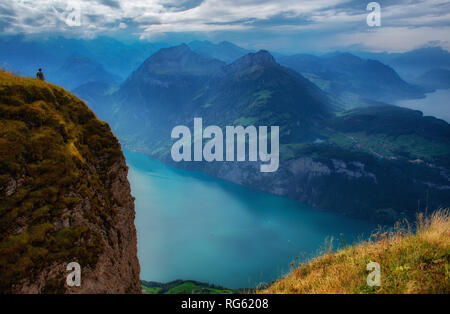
<point x="11" y="187"/>
<point x="307" y="165"/>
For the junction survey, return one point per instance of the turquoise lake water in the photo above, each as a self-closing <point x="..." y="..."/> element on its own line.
<point x="193" y="226"/>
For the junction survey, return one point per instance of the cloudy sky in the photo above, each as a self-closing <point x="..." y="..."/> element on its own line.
<point x="278" y="25"/>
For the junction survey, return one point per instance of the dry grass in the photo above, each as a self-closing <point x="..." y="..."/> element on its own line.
<point x="411" y="262"/>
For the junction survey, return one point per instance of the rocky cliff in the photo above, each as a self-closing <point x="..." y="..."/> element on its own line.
<point x="64" y="195"/>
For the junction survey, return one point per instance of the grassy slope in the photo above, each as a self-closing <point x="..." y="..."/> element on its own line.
<point x="54" y="153"/>
<point x="410" y="263"/>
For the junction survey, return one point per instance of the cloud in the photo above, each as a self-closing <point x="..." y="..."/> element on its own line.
<point x="397" y="39"/>
<point x="111" y="3"/>
<point x="342" y="20"/>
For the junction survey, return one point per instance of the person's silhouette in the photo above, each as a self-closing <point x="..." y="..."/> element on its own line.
<point x="40" y="75"/>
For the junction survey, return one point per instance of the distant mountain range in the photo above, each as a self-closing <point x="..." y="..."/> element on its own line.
<point x="435" y="79"/>
<point x="427" y="58"/>
<point x="224" y="51"/>
<point x="176" y="84"/>
<point x="377" y="162"/>
<point x="414" y="64"/>
<point x="81" y="70"/>
<point x="25" y="55"/>
<point x="353" y="79"/>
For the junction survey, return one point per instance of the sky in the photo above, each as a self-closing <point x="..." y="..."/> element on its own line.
<point x="278" y="25"/>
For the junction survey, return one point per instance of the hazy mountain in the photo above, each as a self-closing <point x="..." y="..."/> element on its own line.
<point x="160" y="90"/>
<point x="435" y="79"/>
<point x="25" y="55"/>
<point x="255" y="89"/>
<point x="431" y="57"/>
<point x="348" y="77"/>
<point x="80" y="70"/>
<point x="98" y="96"/>
<point x="224" y="51"/>
<point x="413" y="64"/>
<point x="176" y="84"/>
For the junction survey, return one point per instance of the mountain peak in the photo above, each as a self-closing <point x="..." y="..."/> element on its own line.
<point x="173" y="52"/>
<point x="175" y="61"/>
<point x="261" y="58"/>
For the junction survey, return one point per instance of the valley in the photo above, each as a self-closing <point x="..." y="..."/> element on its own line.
<point x="194" y="226"/>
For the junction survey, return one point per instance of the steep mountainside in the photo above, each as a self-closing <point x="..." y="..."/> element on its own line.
<point x="255" y="90"/>
<point x="64" y="195"/>
<point x="349" y="77"/>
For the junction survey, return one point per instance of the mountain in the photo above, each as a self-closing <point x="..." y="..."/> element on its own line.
<point x="98" y="96"/>
<point x="175" y="85"/>
<point x="255" y="89"/>
<point x="349" y="77"/>
<point x="25" y="57"/>
<point x="162" y="88"/>
<point x="375" y="163"/>
<point x="224" y="51"/>
<point x="431" y="57"/>
<point x="81" y="70"/>
<point x="64" y="195"/>
<point x="435" y="79"/>
<point x="415" y="63"/>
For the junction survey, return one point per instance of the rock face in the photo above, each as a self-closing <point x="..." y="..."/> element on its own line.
<point x="64" y="195"/>
<point x="117" y="269"/>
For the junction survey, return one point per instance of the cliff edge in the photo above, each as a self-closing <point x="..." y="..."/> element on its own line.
<point x="64" y="195"/>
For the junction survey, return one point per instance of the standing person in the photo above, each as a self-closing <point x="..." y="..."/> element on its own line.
<point x="40" y="75"/>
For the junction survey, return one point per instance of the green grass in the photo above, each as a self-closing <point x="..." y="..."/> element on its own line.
<point x="183" y="287"/>
<point x="153" y="290"/>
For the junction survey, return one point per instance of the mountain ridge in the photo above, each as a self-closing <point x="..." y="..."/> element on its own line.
<point x="344" y="75"/>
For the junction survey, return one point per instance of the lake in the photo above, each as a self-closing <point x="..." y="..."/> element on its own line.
<point x="193" y="226"/>
<point x="435" y="104"/>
